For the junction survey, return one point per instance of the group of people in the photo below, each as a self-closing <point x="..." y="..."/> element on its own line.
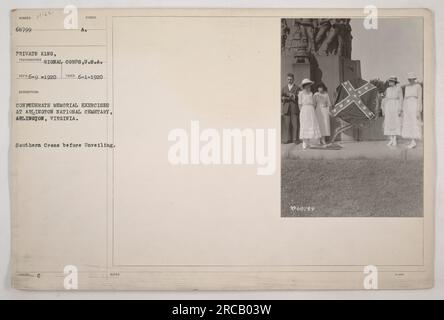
<point x="402" y="112"/>
<point x="306" y="116"/>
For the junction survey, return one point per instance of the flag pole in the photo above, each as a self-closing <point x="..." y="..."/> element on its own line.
<point x="337" y="132"/>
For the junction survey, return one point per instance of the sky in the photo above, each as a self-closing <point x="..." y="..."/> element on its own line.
<point x="394" y="49"/>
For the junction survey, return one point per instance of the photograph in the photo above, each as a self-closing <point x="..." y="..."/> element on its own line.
<point x="352" y="117"/>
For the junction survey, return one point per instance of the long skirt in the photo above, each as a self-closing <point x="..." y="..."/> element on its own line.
<point x="309" y="123"/>
<point x="392" y="120"/>
<point x="411" y="125"/>
<point x="323" y="120"/>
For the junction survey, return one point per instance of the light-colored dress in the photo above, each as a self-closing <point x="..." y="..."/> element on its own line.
<point x="322" y="106"/>
<point x="309" y="121"/>
<point x="392" y="106"/>
<point x="411" y="125"/>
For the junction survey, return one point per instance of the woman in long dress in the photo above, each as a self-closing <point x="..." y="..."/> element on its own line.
<point x="392" y="109"/>
<point x="322" y="107"/>
<point x="308" y="120"/>
<point x="411" y="111"/>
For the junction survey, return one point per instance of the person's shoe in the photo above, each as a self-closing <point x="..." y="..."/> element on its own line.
<point x="304" y="146"/>
<point x="390" y="143"/>
<point x="412" y="144"/>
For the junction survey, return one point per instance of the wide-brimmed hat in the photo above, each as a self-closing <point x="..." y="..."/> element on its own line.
<point x="393" y="79"/>
<point x="306" y="81"/>
<point x="411" y="75"/>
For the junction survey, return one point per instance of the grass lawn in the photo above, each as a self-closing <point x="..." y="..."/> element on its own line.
<point x="352" y="188"/>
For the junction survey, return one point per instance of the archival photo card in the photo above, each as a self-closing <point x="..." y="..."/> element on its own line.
<point x="222" y="149"/>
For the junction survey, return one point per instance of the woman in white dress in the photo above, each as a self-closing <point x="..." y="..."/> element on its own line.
<point x="411" y="111"/>
<point x="392" y="110"/>
<point x="322" y="107"/>
<point x="309" y="122"/>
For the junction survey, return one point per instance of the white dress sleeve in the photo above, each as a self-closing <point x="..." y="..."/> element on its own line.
<point x="300" y="97"/>
<point x="315" y="100"/>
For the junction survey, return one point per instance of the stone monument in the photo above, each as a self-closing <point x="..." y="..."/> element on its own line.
<point x="319" y="49"/>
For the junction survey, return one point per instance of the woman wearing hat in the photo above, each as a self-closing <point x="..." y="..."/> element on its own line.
<point x="322" y="107"/>
<point x="392" y="110"/>
<point x="308" y="120"/>
<point x="411" y="115"/>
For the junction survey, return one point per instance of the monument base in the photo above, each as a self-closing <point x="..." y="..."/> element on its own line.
<point x="332" y="71"/>
<point x="301" y="68"/>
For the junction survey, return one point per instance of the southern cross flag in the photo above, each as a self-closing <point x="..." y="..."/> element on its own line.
<point x="356" y="101"/>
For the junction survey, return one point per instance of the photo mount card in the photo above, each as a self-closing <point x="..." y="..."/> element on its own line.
<point x="222" y="149"/>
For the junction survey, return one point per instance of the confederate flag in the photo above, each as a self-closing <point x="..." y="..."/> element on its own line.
<point x="356" y="101"/>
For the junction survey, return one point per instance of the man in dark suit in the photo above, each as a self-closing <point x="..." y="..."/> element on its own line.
<point x="290" y="111"/>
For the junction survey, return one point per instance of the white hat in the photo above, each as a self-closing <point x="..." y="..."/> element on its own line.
<point x="306" y="81"/>
<point x="411" y="75"/>
<point x="393" y="79"/>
